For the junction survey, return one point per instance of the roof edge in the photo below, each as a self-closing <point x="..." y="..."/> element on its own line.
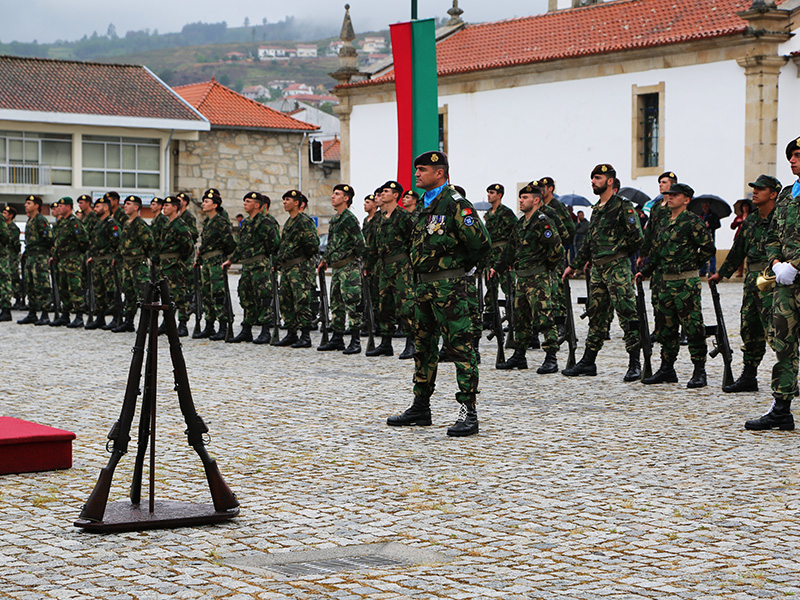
<point x="60" y="118"/>
<point x="176" y="95"/>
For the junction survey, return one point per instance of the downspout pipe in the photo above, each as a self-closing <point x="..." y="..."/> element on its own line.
<point x="300" y="163"/>
<point x="167" y="154"/>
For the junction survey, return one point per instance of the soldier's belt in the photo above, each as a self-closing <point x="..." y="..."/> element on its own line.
<point x="74" y="254"/>
<point x="394" y="258"/>
<point x="134" y="258"/>
<point x="254" y="259"/>
<point x="538" y="269"/>
<point x="680" y="276"/>
<point x="288" y="264"/>
<point x="756" y="267"/>
<point x="211" y="254"/>
<point x="607" y="259"/>
<point x="440" y="275"/>
<point x="340" y="263"/>
<point x="104" y="257"/>
<point x="168" y="255"/>
<point x="499" y="243"/>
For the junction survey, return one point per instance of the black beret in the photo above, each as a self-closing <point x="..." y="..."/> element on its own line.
<point x="214" y="195"/>
<point x="112" y="195"/>
<point x="10" y="210"/>
<point x="604" y="169"/>
<point x="86" y="197"/>
<point x="412" y="193"/>
<point x="668" y="175"/>
<point x="497" y="187"/>
<point x="547" y="181"/>
<point x="156" y="200"/>
<point x="392" y="186"/>
<point x="135" y="199"/>
<point x="296" y="195"/>
<point x="104" y="200"/>
<point x="347" y="189"/>
<point x="531" y="188"/>
<point x="793" y="145"/>
<point x="434" y="159"/>
<point x="254" y="196"/>
<point x="172" y="200"/>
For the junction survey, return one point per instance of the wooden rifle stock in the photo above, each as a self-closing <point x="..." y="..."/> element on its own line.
<point x="54" y="288"/>
<point x="644" y="332"/>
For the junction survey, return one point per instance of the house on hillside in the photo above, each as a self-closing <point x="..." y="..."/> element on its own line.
<point x="328" y="124"/>
<point x="252" y="92"/>
<point x="267" y="52"/>
<point x="705" y="88"/>
<point x="372" y="44"/>
<point x="306" y="51"/>
<point x="294" y="89"/>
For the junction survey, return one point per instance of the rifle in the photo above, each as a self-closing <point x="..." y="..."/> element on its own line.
<point x="644" y="331"/>
<point x="221" y="494"/>
<point x="721" y="344"/>
<point x="92" y="300"/>
<point x="497" y="324"/>
<point x="22" y="290"/>
<point x="370" y="314"/>
<point x="54" y="288"/>
<point x="585" y="301"/>
<point x="228" y="305"/>
<point x="323" y="305"/>
<point x="481" y="305"/>
<point x="118" y="306"/>
<point x="276" y="304"/>
<point x="510" y="312"/>
<point x="569" y="324"/>
<point x="198" y="301"/>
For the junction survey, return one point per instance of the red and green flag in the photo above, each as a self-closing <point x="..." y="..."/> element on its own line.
<point x="414" y="54"/>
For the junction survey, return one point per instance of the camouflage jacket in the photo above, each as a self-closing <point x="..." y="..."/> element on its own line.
<point x="500" y="224"/>
<point x="38" y="238"/>
<point x="613" y="228"/>
<point x="369" y="228"/>
<point x="448" y="235"/>
<point x="89" y="221"/>
<point x="392" y="234"/>
<point x="175" y="239"/>
<point x="566" y="222"/>
<point x="685" y="244"/>
<point x="157" y="226"/>
<point x="344" y="238"/>
<point x="256" y="236"/>
<point x="14" y="245"/>
<point x="119" y="216"/>
<point x="191" y="222"/>
<point x="5" y="239"/>
<point x="659" y="218"/>
<point x="750" y="243"/>
<point x="137" y="239"/>
<point x="299" y="239"/>
<point x="69" y="237"/>
<point x="783" y="237"/>
<point x="105" y="237"/>
<point x="534" y="242"/>
<point x="217" y="237"/>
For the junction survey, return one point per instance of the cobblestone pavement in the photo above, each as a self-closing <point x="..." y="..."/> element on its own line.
<point x="574" y="488"/>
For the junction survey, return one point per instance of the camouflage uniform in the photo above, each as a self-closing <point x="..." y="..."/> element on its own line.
<point x="614" y="234"/>
<point x="216" y="244"/>
<point x="368" y="229"/>
<point x="499" y="224"/>
<point x="157" y="226"/>
<point x="682" y="247"/>
<point x="447" y="240"/>
<point x="5" y="270"/>
<point x="391" y="245"/>
<point x="135" y="246"/>
<point x="70" y="243"/>
<point x="299" y="246"/>
<point x="175" y="247"/>
<point x="257" y="242"/>
<point x="660" y="215"/>
<point x="14" y="247"/>
<point x="343" y="256"/>
<point x="191" y="222"/>
<point x="89" y="220"/>
<point x="104" y="245"/>
<point x="566" y="230"/>
<point x="120" y="216"/>
<point x="38" y="242"/>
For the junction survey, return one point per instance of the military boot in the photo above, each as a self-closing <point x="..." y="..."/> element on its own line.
<point x="207" y="332"/>
<point x="76" y="322"/>
<point x="335" y="343"/>
<point x="44" y="319"/>
<point x="408" y="351"/>
<point x="698" y="379"/>
<point x="304" y="341"/>
<point x="384" y="348"/>
<point x="550" y="364"/>
<point x="60" y="321"/>
<point x="467" y="421"/>
<point x="5" y="315"/>
<point x="778" y="417"/>
<point x="126" y="326"/>
<point x="534" y="343"/>
<point x="183" y="330"/>
<point x="265" y="337"/>
<point x="221" y="332"/>
<point x="634" y="372"/>
<point x="665" y="374"/>
<point x="289" y="339"/>
<point x="112" y="325"/>
<point x="747" y="382"/>
<point x="19" y="305"/>
<point x="355" y="343"/>
<point x="585" y="366"/>
<point x="245" y="335"/>
<point x="419" y="413"/>
<point x="29" y="318"/>
<point x="98" y="323"/>
<point x="516" y="361"/>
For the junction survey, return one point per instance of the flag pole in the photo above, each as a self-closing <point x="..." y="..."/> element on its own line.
<point x="413" y="10"/>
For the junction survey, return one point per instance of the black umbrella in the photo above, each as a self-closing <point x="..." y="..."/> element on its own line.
<point x="718" y="206"/>
<point x="638" y="197"/>
<point x="574" y="200"/>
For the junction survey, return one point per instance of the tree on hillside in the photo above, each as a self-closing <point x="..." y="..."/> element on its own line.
<point x="112" y="31"/>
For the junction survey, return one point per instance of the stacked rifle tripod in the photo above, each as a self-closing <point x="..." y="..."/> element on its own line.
<point x="99" y="516"/>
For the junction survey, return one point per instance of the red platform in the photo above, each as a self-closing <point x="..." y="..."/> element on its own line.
<point x="26" y="447"/>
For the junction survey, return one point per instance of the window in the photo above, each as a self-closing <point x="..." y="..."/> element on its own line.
<point x="443" y="129"/>
<point x="116" y="162"/>
<point x="35" y="158"/>
<point x="648" y="130"/>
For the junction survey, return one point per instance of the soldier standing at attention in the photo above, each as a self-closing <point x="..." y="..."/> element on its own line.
<point x="410" y="202"/>
<point x="533" y="250"/>
<point x="216" y="244"/>
<point x="159" y="220"/>
<point x="343" y="255"/>
<point x="756" y="313"/>
<point x="548" y="186"/>
<point x="136" y="246"/>
<point x="88" y="216"/>
<point x="500" y="221"/>
<point x="257" y="242"/>
<point x="38" y="242"/>
<point x="174" y="248"/>
<point x="299" y="246"/>
<point x="5" y="271"/>
<point x="70" y="243"/>
<point x="614" y="234"/>
<point x="14" y="246"/>
<point x="368" y="228"/>
<point x="682" y="247"/>
<point x="103" y="244"/>
<point x="783" y="255"/>
<point x="116" y="210"/>
<point x="447" y="242"/>
<point x="275" y="233"/>
<point x="184" y="213"/>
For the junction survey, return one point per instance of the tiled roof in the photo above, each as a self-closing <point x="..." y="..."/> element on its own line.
<point x="66" y="86"/>
<point x="331" y="150"/>
<point x="224" y="107"/>
<point x="598" y="29"/>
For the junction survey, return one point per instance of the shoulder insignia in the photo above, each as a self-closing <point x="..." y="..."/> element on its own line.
<point x="469" y="221"/>
<point x="548" y="233"/>
<point x="542" y="216"/>
<point x="466" y="211"/>
<point x="632" y="219"/>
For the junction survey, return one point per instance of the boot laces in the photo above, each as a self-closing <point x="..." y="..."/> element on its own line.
<point x="462" y="413"/>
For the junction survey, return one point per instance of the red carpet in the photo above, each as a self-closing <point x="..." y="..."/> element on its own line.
<point x="26" y="447"/>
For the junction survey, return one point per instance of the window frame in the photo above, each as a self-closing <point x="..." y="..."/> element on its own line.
<point x="638" y="130"/>
<point x="120" y="172"/>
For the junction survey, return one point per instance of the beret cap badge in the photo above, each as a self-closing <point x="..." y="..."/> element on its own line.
<point x="435" y="158"/>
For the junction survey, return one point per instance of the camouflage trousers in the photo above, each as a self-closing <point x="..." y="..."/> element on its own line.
<point x="755" y="321"/>
<point x="37" y="281"/>
<point x="785" y="321"/>
<point x="135" y="273"/>
<point x="255" y="294"/>
<point x="175" y="271"/>
<point x="70" y="283"/>
<point x="5" y="282"/>
<point x="441" y="307"/>
<point x="16" y="280"/>
<point x="505" y="285"/>
<point x="557" y="292"/>
<point x="212" y="285"/>
<point x="474" y="305"/>
<point x="612" y="290"/>
<point x="346" y="297"/>
<point x="297" y="292"/>
<point x="534" y="311"/>
<point x="679" y="303"/>
<point x="395" y="289"/>
<point x="103" y="286"/>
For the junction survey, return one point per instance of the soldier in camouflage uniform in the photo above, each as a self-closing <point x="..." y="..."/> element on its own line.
<point x="533" y="249"/>
<point x="614" y="234"/>
<point x="38" y="242"/>
<point x="343" y="255"/>
<point x="447" y="242"/>
<point x="682" y="247"/>
<point x="369" y="227"/>
<point x="296" y="260"/>
<point x="756" y="313"/>
<point x="391" y="243"/>
<point x="70" y="243"/>
<point x="13" y="256"/>
<point x="5" y="272"/>
<point x="174" y="248"/>
<point x="500" y="222"/>
<point x="159" y="220"/>
<point x="411" y="204"/>
<point x="548" y="186"/>
<point x="136" y="246"/>
<point x="216" y="244"/>
<point x="191" y="222"/>
<point x="117" y="212"/>
<point x="103" y="247"/>
<point x="783" y="255"/>
<point x="87" y="216"/>
<point x="275" y="233"/>
<point x="257" y="242"/>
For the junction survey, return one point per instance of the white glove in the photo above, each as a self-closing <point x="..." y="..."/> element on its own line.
<point x="784" y="273"/>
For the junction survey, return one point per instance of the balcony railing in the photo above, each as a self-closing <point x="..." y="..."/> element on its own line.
<point x="17" y="174"/>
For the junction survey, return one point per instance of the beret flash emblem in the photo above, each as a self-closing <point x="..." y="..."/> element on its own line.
<point x="434" y="157"/>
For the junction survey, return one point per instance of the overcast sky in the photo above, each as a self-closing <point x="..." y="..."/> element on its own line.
<point x="51" y="20"/>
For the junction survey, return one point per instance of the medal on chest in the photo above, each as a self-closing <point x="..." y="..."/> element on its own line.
<point x="436" y="225"/>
